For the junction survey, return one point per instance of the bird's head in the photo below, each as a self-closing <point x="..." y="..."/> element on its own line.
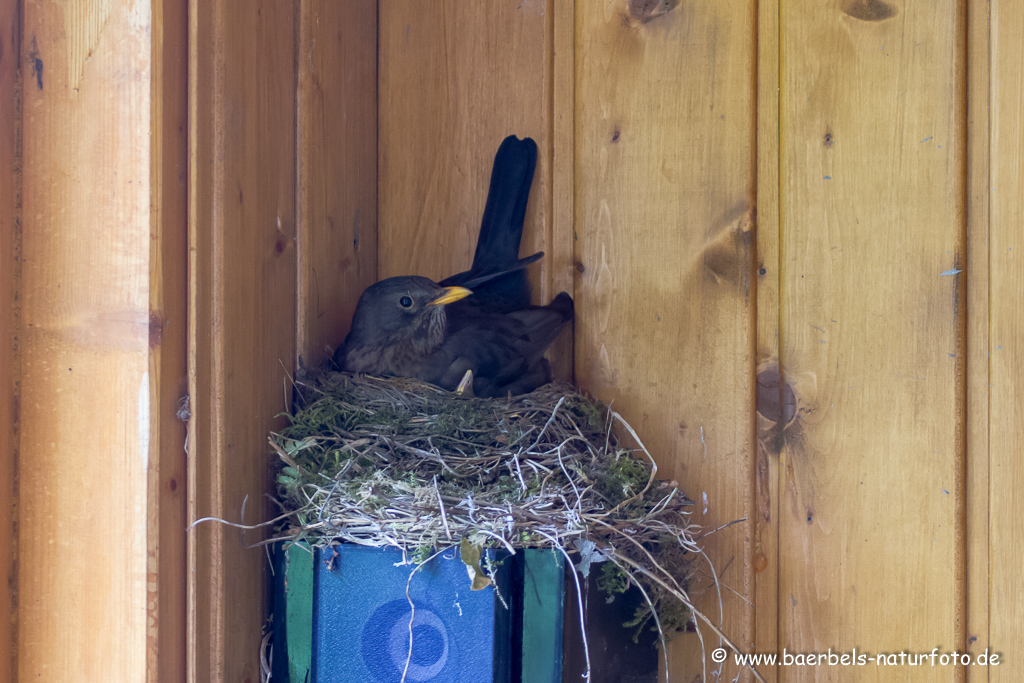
<point x="406" y="309"/>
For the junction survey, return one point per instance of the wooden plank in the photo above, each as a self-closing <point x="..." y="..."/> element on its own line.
<point x="85" y="376"/>
<point x="665" y="182"/>
<point x="1006" y="338"/>
<point x="456" y="78"/>
<point x="872" y="300"/>
<point x="773" y="405"/>
<point x="560" y="242"/>
<point x="337" y="168"/>
<point x="168" y="303"/>
<point x="978" y="345"/>
<point x="242" y="309"/>
<point x="10" y="361"/>
<point x="201" y="134"/>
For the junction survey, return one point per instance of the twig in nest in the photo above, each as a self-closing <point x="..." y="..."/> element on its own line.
<point x="412" y="606"/>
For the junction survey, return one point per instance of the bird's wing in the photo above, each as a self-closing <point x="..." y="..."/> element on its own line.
<point x="541" y="325"/>
<point x="490" y="349"/>
<point x="504" y="351"/>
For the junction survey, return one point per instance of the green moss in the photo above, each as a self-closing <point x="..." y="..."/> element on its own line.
<point x="592" y="414"/>
<point x="322" y="416"/>
<point x="674" y="615"/>
<point x="422" y="554"/>
<point x="612" y="581"/>
<point x="623" y="478"/>
<point x="459" y="417"/>
<point x="505" y="488"/>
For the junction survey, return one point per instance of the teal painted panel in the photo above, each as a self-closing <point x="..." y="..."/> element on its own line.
<point x="293" y="613"/>
<point x="543" y="598"/>
<point x="299" y="612"/>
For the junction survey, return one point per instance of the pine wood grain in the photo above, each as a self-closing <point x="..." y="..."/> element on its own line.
<point x="1006" y="339"/>
<point x="85" y="375"/>
<point x="456" y="78"/>
<point x="337" y="168"/>
<point x="872" y="331"/>
<point x="242" y="295"/>
<point x="10" y="362"/>
<point x="978" y="344"/>
<point x="773" y="406"/>
<point x="664" y="191"/>
<point x="168" y="303"/>
<point x="559" y="243"/>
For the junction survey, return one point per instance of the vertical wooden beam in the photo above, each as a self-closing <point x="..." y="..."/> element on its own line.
<point x="561" y="236"/>
<point x="665" y="183"/>
<point x="168" y="304"/>
<point x="456" y="78"/>
<point x="978" y="463"/>
<point x="773" y="403"/>
<point x="872" y="330"/>
<point x="1006" y="338"/>
<point x="85" y="373"/>
<point x="242" y="298"/>
<point x="10" y="268"/>
<point x="337" y="168"/>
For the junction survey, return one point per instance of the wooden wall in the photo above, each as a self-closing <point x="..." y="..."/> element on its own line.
<point x="871" y="328"/>
<point x="995" y="528"/>
<point x="242" y="310"/>
<point x="10" y="235"/>
<point x="86" y="385"/>
<point x="168" y="350"/>
<point x="665" y="248"/>
<point x="792" y="230"/>
<point x="336" y="190"/>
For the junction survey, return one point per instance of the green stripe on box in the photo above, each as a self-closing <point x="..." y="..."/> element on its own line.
<point x="543" y="588"/>
<point x="298" y="612"/>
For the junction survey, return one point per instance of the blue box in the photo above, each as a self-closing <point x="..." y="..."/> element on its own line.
<point x="361" y="621"/>
<point x="344" y="617"/>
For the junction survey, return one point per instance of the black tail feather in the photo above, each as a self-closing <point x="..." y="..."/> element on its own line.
<point x="501" y="229"/>
<point x="498" y="276"/>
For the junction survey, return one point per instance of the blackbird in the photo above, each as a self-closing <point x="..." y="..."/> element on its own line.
<point x="479" y="320"/>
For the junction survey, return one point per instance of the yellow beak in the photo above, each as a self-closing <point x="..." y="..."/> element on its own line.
<point x="450" y="294"/>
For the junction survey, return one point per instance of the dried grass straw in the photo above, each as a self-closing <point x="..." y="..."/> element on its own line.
<point x="395" y="462"/>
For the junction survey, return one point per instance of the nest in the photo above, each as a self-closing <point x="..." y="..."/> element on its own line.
<point x="396" y="462"/>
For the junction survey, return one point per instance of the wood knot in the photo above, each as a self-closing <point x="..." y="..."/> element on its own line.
<point x="156" y="329"/>
<point x="727" y="257"/>
<point x="870" y="10"/>
<point x="645" y="10"/>
<point x="760" y="562"/>
<point x="776" y="400"/>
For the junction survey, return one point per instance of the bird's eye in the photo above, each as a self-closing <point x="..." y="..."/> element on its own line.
<point x="405" y="302"/>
